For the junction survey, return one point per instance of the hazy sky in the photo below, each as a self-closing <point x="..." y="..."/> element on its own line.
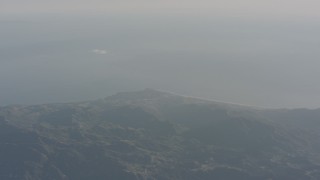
<point x="267" y="8"/>
<point x="263" y="53"/>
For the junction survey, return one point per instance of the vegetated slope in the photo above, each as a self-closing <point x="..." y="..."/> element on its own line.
<point x="156" y="135"/>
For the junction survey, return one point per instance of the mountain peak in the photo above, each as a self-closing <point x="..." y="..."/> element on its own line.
<point x="156" y="96"/>
<point x="146" y="94"/>
<point x="152" y="91"/>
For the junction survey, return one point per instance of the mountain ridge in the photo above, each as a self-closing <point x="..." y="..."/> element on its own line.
<point x="157" y="135"/>
<point x="163" y="93"/>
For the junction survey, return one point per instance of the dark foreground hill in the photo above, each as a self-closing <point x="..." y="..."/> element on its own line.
<point x="155" y="135"/>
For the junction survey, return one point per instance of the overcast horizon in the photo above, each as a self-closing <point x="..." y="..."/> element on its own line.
<point x="262" y="53"/>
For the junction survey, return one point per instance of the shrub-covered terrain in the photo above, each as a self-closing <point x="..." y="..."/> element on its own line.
<point x="156" y="135"/>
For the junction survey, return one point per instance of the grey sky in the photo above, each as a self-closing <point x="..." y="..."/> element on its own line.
<point x="265" y="8"/>
<point x="263" y="53"/>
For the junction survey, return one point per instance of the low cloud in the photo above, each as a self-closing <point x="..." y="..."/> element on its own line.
<point x="99" y="51"/>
